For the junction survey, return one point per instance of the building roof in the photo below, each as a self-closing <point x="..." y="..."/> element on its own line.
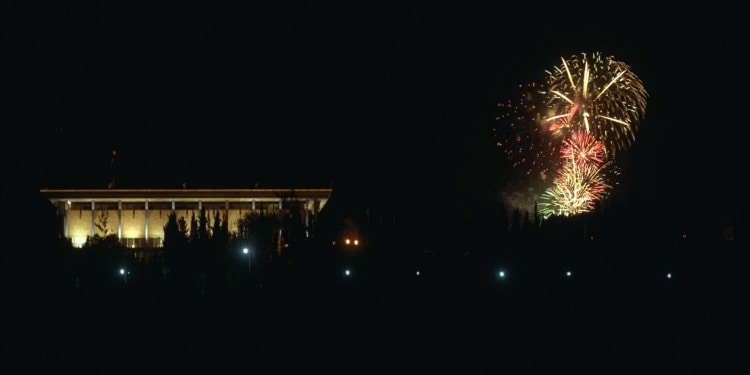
<point x="184" y="194"/>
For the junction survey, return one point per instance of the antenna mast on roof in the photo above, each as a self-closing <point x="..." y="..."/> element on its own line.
<point x="111" y="183"/>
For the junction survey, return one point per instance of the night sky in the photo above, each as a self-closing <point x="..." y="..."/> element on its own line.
<point x="379" y="101"/>
<point x="391" y="104"/>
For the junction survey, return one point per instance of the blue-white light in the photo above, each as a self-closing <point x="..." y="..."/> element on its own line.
<point x="122" y="271"/>
<point x="417" y="273"/>
<point x="501" y="274"/>
<point x="568" y="274"/>
<point x="245" y="251"/>
<point x="669" y="275"/>
<point x="347" y="273"/>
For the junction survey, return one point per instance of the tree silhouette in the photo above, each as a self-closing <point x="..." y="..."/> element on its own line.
<point x="100" y="261"/>
<point x="259" y="230"/>
<point x="101" y="222"/>
<point x="176" y="251"/>
<point x="193" y="228"/>
<point x="218" y="252"/>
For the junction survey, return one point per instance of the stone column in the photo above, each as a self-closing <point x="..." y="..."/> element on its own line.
<point x="65" y="220"/>
<point x="145" y="215"/>
<point x="93" y="216"/>
<point x="119" y="220"/>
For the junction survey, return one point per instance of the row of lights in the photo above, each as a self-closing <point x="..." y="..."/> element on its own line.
<point x="501" y="274"/>
<point x="348" y="272"/>
<point x="348" y="242"/>
<point x="568" y="274"/>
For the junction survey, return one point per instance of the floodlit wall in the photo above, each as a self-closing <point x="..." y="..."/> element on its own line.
<point x="140" y="223"/>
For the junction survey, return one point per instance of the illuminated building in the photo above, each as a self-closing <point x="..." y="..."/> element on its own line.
<point x="138" y="216"/>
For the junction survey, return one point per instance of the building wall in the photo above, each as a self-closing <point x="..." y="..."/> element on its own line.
<point x="158" y="215"/>
<point x="79" y="223"/>
<point x="133" y="221"/>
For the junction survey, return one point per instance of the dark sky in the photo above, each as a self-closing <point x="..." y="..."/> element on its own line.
<point x="366" y="97"/>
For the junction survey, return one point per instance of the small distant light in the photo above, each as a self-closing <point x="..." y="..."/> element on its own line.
<point x="245" y="250"/>
<point x="122" y="271"/>
<point x="417" y="273"/>
<point x="669" y="275"/>
<point x="347" y="241"/>
<point x="684" y="236"/>
<point x="356" y="242"/>
<point x="568" y="274"/>
<point x="347" y="273"/>
<point x="501" y="274"/>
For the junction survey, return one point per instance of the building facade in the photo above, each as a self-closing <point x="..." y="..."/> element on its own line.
<point x="138" y="216"/>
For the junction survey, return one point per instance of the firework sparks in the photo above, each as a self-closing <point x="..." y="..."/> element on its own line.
<point x="528" y="148"/>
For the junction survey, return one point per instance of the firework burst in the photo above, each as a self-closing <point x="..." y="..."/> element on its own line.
<point x="580" y="182"/>
<point x="561" y="136"/>
<point x="597" y="94"/>
<point x="576" y="190"/>
<point x="581" y="147"/>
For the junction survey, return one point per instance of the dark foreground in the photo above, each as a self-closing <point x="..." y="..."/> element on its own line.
<point x="455" y="318"/>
